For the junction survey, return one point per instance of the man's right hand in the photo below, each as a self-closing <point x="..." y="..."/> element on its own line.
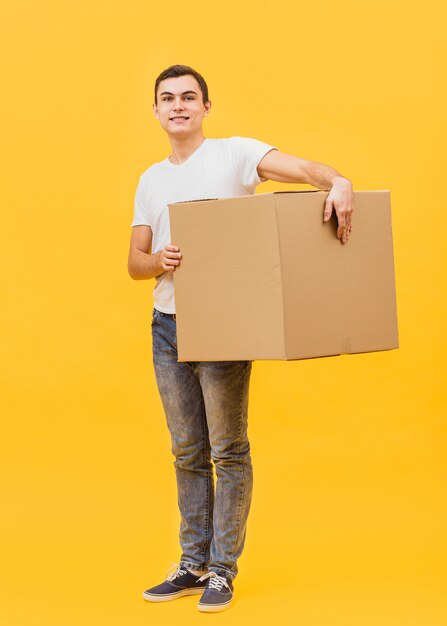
<point x="169" y="257"/>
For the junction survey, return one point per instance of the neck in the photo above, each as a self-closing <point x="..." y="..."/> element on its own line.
<point x="183" y="147"/>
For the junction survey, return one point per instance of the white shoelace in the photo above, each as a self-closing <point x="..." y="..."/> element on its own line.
<point x="216" y="581"/>
<point x="175" y="571"/>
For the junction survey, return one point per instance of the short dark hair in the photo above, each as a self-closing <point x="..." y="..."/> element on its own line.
<point x="183" y="70"/>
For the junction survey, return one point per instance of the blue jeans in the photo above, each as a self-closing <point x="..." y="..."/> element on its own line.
<point x="206" y="404"/>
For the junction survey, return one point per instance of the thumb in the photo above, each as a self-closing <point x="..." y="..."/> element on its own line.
<point x="327" y="210"/>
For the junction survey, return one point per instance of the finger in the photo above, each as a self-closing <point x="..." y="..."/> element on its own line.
<point x="342" y="224"/>
<point x="343" y="233"/>
<point x="327" y="210"/>
<point x="351" y="211"/>
<point x="349" y="225"/>
<point x="166" y="264"/>
<point x="172" y="252"/>
<point x="170" y="261"/>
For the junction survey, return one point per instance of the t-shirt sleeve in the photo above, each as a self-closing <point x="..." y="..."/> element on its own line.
<point x="140" y="216"/>
<point x="245" y="154"/>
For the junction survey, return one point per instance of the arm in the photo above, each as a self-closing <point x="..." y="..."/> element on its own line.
<point x="141" y="263"/>
<point x="286" y="168"/>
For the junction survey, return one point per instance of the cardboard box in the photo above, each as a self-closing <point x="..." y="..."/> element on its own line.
<point x="263" y="277"/>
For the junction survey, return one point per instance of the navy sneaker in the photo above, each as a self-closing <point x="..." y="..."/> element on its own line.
<point x="178" y="583"/>
<point x="218" y="593"/>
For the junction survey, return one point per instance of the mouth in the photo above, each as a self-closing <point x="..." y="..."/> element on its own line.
<point x="179" y="119"/>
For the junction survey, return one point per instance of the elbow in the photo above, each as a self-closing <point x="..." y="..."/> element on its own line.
<point x="131" y="270"/>
<point x="133" y="275"/>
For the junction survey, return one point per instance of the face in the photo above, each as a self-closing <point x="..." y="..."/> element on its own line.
<point x="181" y="98"/>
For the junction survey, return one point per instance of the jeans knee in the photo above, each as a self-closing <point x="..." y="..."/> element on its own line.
<point x="191" y="456"/>
<point x="235" y="453"/>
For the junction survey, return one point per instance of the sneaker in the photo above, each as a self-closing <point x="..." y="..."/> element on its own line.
<point x="218" y="593"/>
<point x="179" y="582"/>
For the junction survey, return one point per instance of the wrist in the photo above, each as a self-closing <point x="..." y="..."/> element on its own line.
<point x="341" y="180"/>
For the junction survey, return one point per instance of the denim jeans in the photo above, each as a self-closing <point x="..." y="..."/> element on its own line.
<point x="206" y="404"/>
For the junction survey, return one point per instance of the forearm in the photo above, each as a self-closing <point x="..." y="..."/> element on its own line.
<point x="142" y="265"/>
<point x="322" y="176"/>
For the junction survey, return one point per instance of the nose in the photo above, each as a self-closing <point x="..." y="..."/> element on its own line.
<point x="178" y="104"/>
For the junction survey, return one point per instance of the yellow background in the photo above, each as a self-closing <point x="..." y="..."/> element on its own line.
<point x="347" y="526"/>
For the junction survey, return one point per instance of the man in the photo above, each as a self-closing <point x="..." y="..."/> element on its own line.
<point x="206" y="403"/>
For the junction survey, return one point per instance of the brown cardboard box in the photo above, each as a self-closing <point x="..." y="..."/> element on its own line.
<point x="263" y="277"/>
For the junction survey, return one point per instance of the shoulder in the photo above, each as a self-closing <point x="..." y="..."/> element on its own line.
<point x="236" y="141"/>
<point x="239" y="139"/>
<point x="230" y="142"/>
<point x="246" y="144"/>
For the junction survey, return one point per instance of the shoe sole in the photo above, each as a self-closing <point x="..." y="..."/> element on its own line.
<point x="172" y="596"/>
<point x="213" y="608"/>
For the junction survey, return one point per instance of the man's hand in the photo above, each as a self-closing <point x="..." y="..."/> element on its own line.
<point x="169" y="257"/>
<point x="341" y="197"/>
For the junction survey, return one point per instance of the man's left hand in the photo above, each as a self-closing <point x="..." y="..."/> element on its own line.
<point x="341" y="198"/>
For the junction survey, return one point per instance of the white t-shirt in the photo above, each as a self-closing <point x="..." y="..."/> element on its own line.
<point x="218" y="168"/>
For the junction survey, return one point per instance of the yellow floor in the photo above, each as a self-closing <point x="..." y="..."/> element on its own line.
<point x="347" y="525"/>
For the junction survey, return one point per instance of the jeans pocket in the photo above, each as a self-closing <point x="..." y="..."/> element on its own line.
<point x="154" y="316"/>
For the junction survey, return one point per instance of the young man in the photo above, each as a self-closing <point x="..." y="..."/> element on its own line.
<point x="206" y="403"/>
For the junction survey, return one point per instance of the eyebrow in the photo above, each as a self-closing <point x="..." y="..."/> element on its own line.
<point x="171" y="94"/>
